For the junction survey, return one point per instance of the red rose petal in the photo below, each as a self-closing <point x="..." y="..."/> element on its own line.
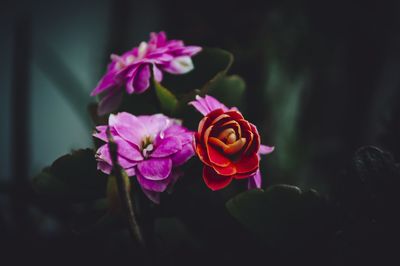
<point x="247" y="164"/>
<point x="223" y="135"/>
<point x="218" y="143"/>
<point x="250" y="139"/>
<point x="229" y="170"/>
<point x="255" y="145"/>
<point x="234" y="125"/>
<point x="206" y="135"/>
<point x="211" y="117"/>
<point x="216" y="157"/>
<point x="236" y="115"/>
<point x="245" y="175"/>
<point x="213" y="180"/>
<point x="220" y="127"/>
<point x="201" y="152"/>
<point x="228" y="149"/>
<point x="201" y="125"/>
<point x="221" y="118"/>
<point x="244" y="124"/>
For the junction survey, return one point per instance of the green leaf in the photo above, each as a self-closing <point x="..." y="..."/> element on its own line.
<point x="217" y="59"/>
<point x="229" y="90"/>
<point x="72" y="177"/>
<point x="167" y="99"/>
<point x="209" y="66"/>
<point x="280" y="215"/>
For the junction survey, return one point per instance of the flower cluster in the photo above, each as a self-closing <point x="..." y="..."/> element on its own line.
<point x="149" y="147"/>
<point x="134" y="68"/>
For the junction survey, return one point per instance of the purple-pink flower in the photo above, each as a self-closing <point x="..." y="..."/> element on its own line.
<point x="149" y="147"/>
<point x="134" y="68"/>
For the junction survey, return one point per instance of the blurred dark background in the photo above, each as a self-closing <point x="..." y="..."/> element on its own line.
<point x="322" y="80"/>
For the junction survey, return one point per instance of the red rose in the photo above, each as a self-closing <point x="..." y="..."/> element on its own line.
<point x="226" y="143"/>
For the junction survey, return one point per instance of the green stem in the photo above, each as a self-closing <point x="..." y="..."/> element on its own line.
<point x="124" y="192"/>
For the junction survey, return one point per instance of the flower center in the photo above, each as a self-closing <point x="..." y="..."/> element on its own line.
<point x="231" y="138"/>
<point x="228" y="141"/>
<point x="147" y="146"/>
<point x="228" y="136"/>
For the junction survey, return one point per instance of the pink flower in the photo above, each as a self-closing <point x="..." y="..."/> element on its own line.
<point x="149" y="147"/>
<point x="133" y="69"/>
<point x="227" y="144"/>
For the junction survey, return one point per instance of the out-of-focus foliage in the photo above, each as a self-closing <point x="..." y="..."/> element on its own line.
<point x="72" y="177"/>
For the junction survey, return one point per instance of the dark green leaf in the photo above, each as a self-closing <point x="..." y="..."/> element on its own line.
<point x="209" y="66"/>
<point x="280" y="214"/>
<point x="229" y="90"/>
<point x="258" y="209"/>
<point x="167" y="99"/>
<point x="73" y="177"/>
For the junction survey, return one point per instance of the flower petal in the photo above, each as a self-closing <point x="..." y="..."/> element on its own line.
<point x="254" y="146"/>
<point x="103" y="154"/>
<point x="155" y="168"/>
<point x="214" y="104"/>
<point x="229" y="149"/>
<point x="254" y="181"/>
<point x="166" y="146"/>
<point x="130" y="171"/>
<point x="235" y="114"/>
<point x="140" y="79"/>
<point x="207" y="104"/>
<point x="105" y="83"/>
<point x="184" y="135"/>
<point x="216" y="157"/>
<point x="154" y="124"/>
<point x="215" y="181"/>
<point x="233" y="125"/>
<point x="250" y="139"/>
<point x="247" y="164"/>
<point x="200" y="107"/>
<point x="128" y="126"/>
<point x="187" y="50"/>
<point x="264" y="149"/>
<point x="157" y="73"/>
<point x="110" y="102"/>
<point x="127" y="150"/>
<point x="228" y="170"/>
<point x="104" y="167"/>
<point x="183" y="155"/>
<point x="158" y="39"/>
<point x="101" y="133"/>
<point x="179" y="65"/>
<point x="153" y="185"/>
<point x="130" y="78"/>
<point x="205" y="123"/>
<point x="202" y="153"/>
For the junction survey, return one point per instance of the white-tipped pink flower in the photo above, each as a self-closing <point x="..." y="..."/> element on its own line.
<point x="134" y="68"/>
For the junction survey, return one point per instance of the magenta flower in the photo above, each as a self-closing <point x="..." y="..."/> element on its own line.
<point x="133" y="69"/>
<point x="227" y="144"/>
<point x="149" y="147"/>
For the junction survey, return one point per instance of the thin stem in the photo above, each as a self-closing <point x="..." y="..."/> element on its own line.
<point x="124" y="192"/>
